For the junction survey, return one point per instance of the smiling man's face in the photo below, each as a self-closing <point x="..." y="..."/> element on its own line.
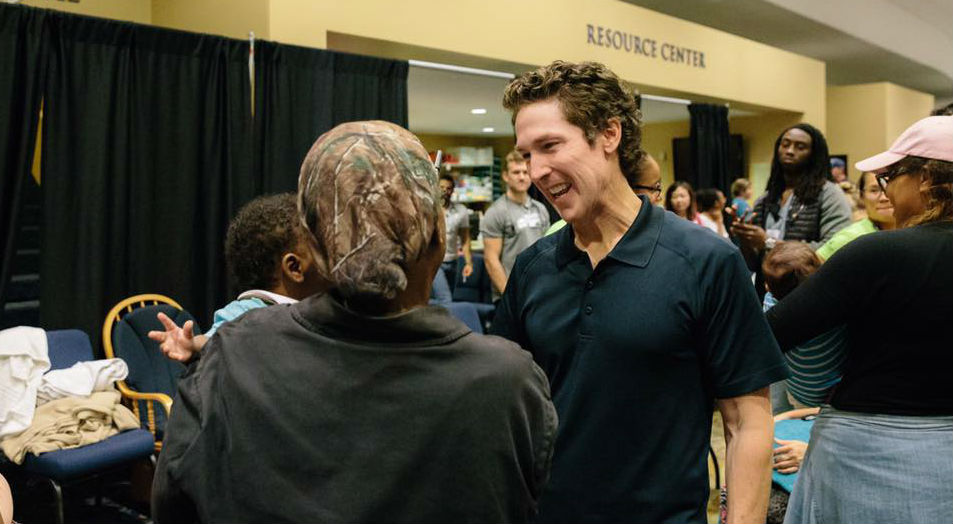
<point x="572" y="174"/>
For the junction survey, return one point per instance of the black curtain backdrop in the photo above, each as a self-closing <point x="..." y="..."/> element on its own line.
<point x="21" y="68"/>
<point x="301" y="93"/>
<point x="150" y="146"/>
<point x="709" y="146"/>
<point x="145" y="132"/>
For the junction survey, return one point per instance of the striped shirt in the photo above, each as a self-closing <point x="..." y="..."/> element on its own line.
<point x="816" y="365"/>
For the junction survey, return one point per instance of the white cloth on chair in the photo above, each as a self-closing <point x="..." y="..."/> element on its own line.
<point x="24" y="357"/>
<point x="81" y="380"/>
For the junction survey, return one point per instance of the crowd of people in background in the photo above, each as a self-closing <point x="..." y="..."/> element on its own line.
<point x="817" y="327"/>
<point x="810" y="322"/>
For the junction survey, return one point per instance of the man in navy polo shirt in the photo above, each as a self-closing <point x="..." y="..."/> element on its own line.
<point x="642" y="321"/>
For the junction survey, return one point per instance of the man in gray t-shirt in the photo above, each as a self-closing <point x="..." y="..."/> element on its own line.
<point x="457" y="218"/>
<point x="513" y="223"/>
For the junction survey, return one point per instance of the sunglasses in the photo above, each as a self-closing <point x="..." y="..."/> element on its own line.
<point x="884" y="178"/>
<point x="655" y="190"/>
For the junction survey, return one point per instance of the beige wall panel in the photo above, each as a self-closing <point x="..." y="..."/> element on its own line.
<point x="760" y="132"/>
<point x="539" y="31"/>
<point x="231" y="18"/>
<point x="657" y="141"/>
<point x="129" y="10"/>
<point x="904" y="107"/>
<point x="857" y="118"/>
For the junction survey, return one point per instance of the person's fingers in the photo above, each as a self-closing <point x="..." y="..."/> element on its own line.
<point x="158" y="336"/>
<point x="187" y="329"/>
<point x="789" y="470"/>
<point x="166" y="322"/>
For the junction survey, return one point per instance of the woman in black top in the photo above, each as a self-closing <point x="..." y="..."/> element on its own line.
<point x="883" y="450"/>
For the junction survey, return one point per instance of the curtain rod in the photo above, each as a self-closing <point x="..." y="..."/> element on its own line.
<point x="668" y="99"/>
<point x="461" y="69"/>
<point x="510" y="76"/>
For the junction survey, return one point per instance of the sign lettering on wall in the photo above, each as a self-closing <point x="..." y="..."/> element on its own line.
<point x="600" y="36"/>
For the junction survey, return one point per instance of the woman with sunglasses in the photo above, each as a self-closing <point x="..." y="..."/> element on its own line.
<point x="881" y="451"/>
<point x="878" y="211"/>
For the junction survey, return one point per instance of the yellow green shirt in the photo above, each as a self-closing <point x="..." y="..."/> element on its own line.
<point x="846" y="236"/>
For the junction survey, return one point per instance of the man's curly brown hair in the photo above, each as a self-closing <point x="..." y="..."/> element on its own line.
<point x="589" y="95"/>
<point x="261" y="233"/>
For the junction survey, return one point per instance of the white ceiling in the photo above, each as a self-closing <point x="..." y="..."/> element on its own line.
<point x="907" y="42"/>
<point x="439" y="102"/>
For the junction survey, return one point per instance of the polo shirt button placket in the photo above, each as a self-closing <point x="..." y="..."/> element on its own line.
<point x="589" y="284"/>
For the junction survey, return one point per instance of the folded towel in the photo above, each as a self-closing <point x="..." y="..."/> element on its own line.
<point x="71" y="422"/>
<point x="81" y="379"/>
<point x="24" y="357"/>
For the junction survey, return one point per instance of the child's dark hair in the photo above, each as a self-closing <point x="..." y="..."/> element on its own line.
<point x="262" y="231"/>
<point x="788" y="265"/>
<point x="706" y="199"/>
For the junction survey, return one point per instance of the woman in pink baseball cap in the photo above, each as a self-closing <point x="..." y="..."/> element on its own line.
<point x="881" y="450"/>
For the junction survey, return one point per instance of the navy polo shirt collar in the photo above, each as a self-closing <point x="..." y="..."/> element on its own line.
<point x="634" y="248"/>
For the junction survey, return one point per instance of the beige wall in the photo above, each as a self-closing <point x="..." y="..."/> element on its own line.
<point x="657" y="141"/>
<point x="904" y="107"/>
<point x="746" y="73"/>
<point x="129" y="10"/>
<point x="865" y="119"/>
<point x="760" y="133"/>
<point x="231" y="18"/>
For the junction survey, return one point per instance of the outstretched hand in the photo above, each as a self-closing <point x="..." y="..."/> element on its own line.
<point x="177" y="343"/>
<point x="789" y="455"/>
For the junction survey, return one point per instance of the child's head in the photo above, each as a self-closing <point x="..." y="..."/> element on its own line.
<point x="787" y="265"/>
<point x="266" y="248"/>
<point x="741" y="188"/>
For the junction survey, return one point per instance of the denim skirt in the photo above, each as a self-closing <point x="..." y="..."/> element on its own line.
<point x="870" y="468"/>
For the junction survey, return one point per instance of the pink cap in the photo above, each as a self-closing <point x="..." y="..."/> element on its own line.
<point x="931" y="137"/>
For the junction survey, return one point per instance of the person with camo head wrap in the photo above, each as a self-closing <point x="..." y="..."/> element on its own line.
<point x="368" y="195"/>
<point x="361" y="404"/>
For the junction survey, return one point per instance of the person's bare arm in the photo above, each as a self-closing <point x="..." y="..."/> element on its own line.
<point x="6" y="502"/>
<point x="749" y="433"/>
<point x="492" y="247"/>
<point x="178" y="343"/>
<point x="467" y="255"/>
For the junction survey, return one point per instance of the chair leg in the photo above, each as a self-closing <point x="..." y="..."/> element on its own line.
<point x="58" y="499"/>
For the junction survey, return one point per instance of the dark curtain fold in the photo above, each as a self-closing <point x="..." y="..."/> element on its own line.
<point x="710" y="146"/>
<point x="302" y="93"/>
<point x="293" y="106"/>
<point x="21" y="70"/>
<point x="147" y="133"/>
<point x="150" y="146"/>
<point x="368" y="88"/>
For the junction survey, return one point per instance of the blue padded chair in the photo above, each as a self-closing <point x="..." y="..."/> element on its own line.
<point x="467" y="313"/>
<point x="62" y="467"/>
<point x="475" y="289"/>
<point x="152" y="376"/>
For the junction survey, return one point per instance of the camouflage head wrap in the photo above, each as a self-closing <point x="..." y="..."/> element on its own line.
<point x="368" y="194"/>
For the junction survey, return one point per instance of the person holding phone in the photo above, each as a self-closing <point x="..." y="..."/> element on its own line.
<point x="801" y="202"/>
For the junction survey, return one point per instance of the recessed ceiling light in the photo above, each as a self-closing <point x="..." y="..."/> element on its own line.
<point x="478" y="111"/>
<point x="488" y="129"/>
